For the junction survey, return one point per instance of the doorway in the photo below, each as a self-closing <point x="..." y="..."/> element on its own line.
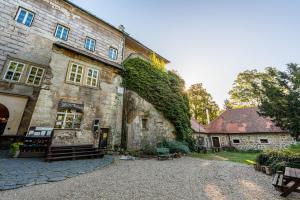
<point x="216" y="142"/>
<point x="103" y="141"/>
<point x="4" y="115"/>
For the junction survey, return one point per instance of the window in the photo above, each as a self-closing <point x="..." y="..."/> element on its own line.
<point x="92" y="77"/>
<point x="75" y="74"/>
<point x="68" y="119"/>
<point x="62" y="32"/>
<point x="113" y="53"/>
<point x="145" y="123"/>
<point x="90" y="44"/>
<point x="264" y="141"/>
<point x="24" y="17"/>
<point x="14" y="71"/>
<point x="35" y="76"/>
<point x="236" y="141"/>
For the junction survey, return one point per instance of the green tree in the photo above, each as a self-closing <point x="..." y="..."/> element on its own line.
<point x="280" y="99"/>
<point x="156" y="62"/>
<point x="243" y="93"/>
<point x="201" y="102"/>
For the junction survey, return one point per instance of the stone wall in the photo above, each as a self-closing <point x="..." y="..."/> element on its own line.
<point x="138" y="112"/>
<point x="252" y="141"/>
<point x="103" y="102"/>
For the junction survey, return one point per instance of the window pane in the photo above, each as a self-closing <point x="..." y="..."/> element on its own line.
<point x="21" y="16"/>
<point x="58" y="32"/>
<point x="9" y="75"/>
<point x="30" y="79"/>
<point x="16" y="76"/>
<point x="65" y="34"/>
<point x="20" y="68"/>
<point x="12" y="65"/>
<point x="29" y="19"/>
<point x="40" y="72"/>
<point x="37" y="81"/>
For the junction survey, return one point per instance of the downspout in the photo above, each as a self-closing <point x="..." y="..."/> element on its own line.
<point x="124" y="114"/>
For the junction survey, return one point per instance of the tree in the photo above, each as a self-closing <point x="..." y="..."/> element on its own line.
<point x="280" y="99"/>
<point x="201" y="102"/>
<point x="243" y="93"/>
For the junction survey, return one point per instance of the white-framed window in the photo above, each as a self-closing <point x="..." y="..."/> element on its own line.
<point x="75" y="74"/>
<point x="90" y="44"/>
<point x="62" y="32"/>
<point x="24" y="16"/>
<point x="113" y="53"/>
<point x="68" y="119"/>
<point x="92" y="77"/>
<point x="35" y="76"/>
<point x="14" y="71"/>
<point x="264" y="141"/>
<point x="236" y="141"/>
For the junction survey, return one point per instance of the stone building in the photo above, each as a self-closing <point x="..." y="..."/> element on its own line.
<point x="245" y="130"/>
<point x="60" y="67"/>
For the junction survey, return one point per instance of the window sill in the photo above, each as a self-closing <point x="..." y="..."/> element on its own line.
<point x="81" y="85"/>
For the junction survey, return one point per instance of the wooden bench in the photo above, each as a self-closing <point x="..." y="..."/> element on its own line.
<point x="163" y="153"/>
<point x="287" y="182"/>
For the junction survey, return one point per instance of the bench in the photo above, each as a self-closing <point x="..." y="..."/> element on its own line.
<point x="278" y="181"/>
<point x="163" y="153"/>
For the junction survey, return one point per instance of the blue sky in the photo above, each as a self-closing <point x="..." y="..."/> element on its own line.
<point x="210" y="41"/>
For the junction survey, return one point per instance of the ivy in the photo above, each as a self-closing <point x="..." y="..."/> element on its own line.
<point x="164" y="90"/>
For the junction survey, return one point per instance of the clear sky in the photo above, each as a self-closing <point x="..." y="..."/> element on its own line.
<point x="210" y="41"/>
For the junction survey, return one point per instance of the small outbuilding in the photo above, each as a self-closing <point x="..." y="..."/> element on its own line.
<point x="244" y="129"/>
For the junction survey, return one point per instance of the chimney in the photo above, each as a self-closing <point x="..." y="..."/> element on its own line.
<point x="121" y="28"/>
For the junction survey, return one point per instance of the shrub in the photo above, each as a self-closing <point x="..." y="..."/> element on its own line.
<point x="14" y="148"/>
<point x="175" y="146"/>
<point x="278" y="159"/>
<point x="149" y="150"/>
<point x="229" y="148"/>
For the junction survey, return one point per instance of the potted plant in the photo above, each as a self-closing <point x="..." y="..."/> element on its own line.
<point x="14" y="149"/>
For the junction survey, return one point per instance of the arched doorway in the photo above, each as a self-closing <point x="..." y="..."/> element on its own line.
<point x="4" y="115"/>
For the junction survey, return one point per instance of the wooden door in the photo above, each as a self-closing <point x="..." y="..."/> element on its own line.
<point x="216" y="141"/>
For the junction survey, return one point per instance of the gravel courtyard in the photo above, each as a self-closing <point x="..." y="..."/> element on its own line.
<point x="185" y="178"/>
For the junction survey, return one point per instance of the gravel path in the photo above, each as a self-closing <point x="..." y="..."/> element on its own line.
<point x="185" y="178"/>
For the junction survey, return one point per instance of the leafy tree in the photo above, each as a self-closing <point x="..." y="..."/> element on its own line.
<point x="280" y="99"/>
<point x="243" y="93"/>
<point x="200" y="101"/>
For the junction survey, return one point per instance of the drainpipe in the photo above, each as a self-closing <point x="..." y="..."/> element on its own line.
<point x="124" y="113"/>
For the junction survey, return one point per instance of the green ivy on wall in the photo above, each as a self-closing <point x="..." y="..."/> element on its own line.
<point x="164" y="90"/>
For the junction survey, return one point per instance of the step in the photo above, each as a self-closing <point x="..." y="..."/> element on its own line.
<point x="75" y="152"/>
<point x="75" y="157"/>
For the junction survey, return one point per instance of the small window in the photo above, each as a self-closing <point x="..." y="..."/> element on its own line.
<point x="264" y="141"/>
<point x="24" y="17"/>
<point x="35" y="76"/>
<point x="75" y="74"/>
<point x="68" y="119"/>
<point x="113" y="53"/>
<point x="62" y="32"/>
<point x="14" y="71"/>
<point x="92" y="77"/>
<point x="145" y="123"/>
<point x="90" y="44"/>
<point x="236" y="141"/>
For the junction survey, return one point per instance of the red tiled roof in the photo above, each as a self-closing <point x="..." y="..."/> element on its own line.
<point x="244" y="120"/>
<point x="198" y="128"/>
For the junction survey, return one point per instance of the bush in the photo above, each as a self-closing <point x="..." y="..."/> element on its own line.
<point x="149" y="150"/>
<point x="229" y="148"/>
<point x="175" y="146"/>
<point x="14" y="148"/>
<point x="278" y="159"/>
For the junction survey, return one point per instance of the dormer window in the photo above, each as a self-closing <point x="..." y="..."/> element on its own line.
<point x="90" y="44"/>
<point x="62" y="32"/>
<point x="113" y="53"/>
<point x="24" y="16"/>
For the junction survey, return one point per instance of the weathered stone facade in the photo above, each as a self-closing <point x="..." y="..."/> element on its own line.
<point x="36" y="46"/>
<point x="144" y="124"/>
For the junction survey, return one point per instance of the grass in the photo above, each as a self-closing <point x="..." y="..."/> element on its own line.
<point x="239" y="157"/>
